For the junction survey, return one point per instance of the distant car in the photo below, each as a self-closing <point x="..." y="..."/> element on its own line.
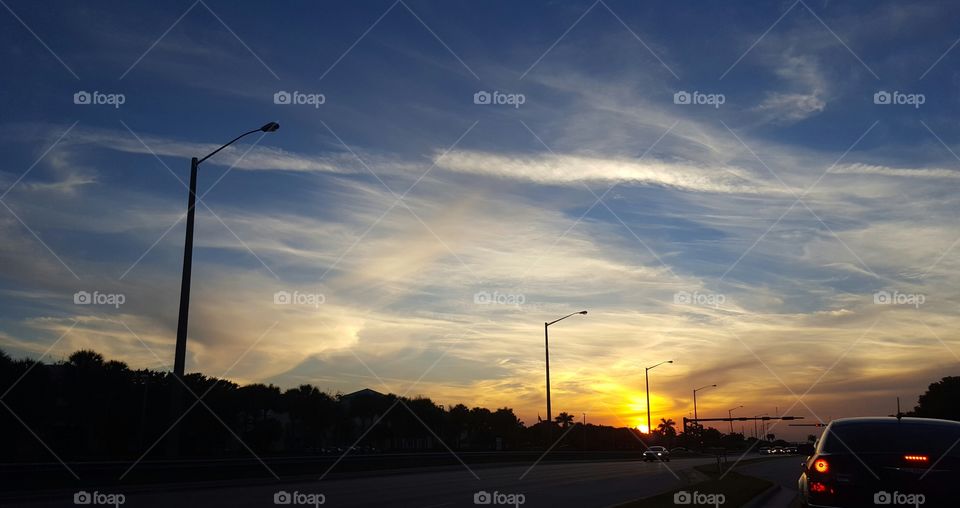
<point x="764" y="450"/>
<point x="656" y="453"/>
<point x="791" y="449"/>
<point x="679" y="449"/>
<point x="868" y="461"/>
<point x="778" y="450"/>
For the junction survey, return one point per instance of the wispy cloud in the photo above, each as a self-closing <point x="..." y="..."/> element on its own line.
<point x="564" y="169"/>
<point x="872" y="169"/>
<point x="257" y="158"/>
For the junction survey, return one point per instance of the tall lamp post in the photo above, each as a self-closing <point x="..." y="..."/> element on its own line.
<point x="755" y="434"/>
<point x="584" y="431"/>
<point x="181" y="349"/>
<point x="730" y="416"/>
<point x="646" y="373"/>
<point x="180" y="352"/>
<point x="695" y="390"/>
<point x="546" y="347"/>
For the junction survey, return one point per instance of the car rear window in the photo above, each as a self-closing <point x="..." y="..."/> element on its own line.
<point x="893" y="437"/>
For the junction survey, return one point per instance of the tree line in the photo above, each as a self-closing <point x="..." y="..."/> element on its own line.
<point x="90" y="408"/>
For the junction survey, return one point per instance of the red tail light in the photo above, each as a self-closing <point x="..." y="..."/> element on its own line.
<point x="916" y="458"/>
<point x="821" y="488"/>
<point x="821" y="466"/>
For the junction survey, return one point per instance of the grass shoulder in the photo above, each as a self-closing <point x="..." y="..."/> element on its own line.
<point x="727" y="488"/>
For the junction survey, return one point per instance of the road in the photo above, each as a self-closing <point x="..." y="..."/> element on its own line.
<point x="781" y="471"/>
<point x="587" y="484"/>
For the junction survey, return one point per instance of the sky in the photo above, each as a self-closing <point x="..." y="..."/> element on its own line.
<point x="763" y="193"/>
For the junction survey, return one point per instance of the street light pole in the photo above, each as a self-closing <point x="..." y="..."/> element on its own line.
<point x="646" y="373"/>
<point x="546" y="352"/>
<point x="646" y="384"/>
<point x="695" y="390"/>
<point x="546" y="349"/>
<point x="730" y="416"/>
<point x="584" y="431"/>
<point x="180" y="354"/>
<point x="180" y="350"/>
<point x="755" y="434"/>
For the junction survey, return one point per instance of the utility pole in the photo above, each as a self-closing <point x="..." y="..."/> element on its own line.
<point x="584" y="431"/>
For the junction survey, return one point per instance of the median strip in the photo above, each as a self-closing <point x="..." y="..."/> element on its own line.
<point x="729" y="490"/>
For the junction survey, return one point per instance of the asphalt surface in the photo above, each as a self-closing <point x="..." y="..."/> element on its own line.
<point x="588" y="484"/>
<point x="783" y="472"/>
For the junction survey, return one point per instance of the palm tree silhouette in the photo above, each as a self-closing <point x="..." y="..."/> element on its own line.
<point x="564" y="419"/>
<point x="667" y="427"/>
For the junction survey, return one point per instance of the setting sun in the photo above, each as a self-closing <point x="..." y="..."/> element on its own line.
<point x="643" y="428"/>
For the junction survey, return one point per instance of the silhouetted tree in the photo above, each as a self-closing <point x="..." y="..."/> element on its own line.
<point x="564" y="419"/>
<point x="312" y="414"/>
<point x="940" y="400"/>
<point x="667" y="427"/>
<point x="86" y="359"/>
<point x="457" y="426"/>
<point x="89" y="408"/>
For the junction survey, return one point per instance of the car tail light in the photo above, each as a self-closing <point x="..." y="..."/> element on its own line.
<point x="821" y="488"/>
<point x="916" y="458"/>
<point x="821" y="466"/>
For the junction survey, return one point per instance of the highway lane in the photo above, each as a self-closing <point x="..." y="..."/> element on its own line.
<point x="588" y="484"/>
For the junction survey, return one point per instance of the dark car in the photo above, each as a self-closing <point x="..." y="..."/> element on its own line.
<point x="656" y="453"/>
<point x="883" y="461"/>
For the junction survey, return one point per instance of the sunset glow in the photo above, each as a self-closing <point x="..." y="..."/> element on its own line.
<point x="699" y="253"/>
<point x="445" y="253"/>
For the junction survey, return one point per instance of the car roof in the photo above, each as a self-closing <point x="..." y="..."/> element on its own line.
<point x="933" y="422"/>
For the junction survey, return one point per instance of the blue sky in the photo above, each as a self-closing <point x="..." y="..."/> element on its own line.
<point x="750" y="241"/>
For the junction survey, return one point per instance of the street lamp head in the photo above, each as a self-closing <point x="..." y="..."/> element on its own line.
<point x="714" y="386"/>
<point x="270" y="127"/>
<point x="669" y="361"/>
<point x="582" y="312"/>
